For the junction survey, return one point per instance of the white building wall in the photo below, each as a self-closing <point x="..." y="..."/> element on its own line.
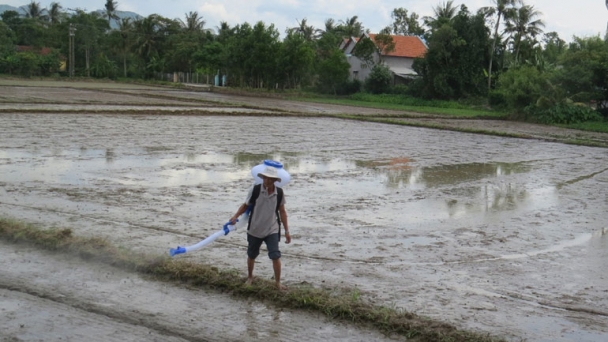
<point x="398" y="62"/>
<point x="358" y="69"/>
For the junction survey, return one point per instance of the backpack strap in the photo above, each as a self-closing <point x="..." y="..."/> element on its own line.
<point x="254" y="197"/>
<point x="279" y="200"/>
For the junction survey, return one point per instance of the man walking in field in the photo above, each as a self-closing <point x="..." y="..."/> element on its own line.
<point x="265" y="219"/>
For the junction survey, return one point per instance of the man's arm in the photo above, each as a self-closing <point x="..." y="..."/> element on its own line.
<point x="283" y="214"/>
<point x="239" y="212"/>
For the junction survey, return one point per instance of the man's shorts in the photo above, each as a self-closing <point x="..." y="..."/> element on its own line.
<point x="272" y="243"/>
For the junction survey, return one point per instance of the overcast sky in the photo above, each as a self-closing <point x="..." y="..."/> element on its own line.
<point x="581" y="18"/>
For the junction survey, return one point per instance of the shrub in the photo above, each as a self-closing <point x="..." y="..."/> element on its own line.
<point x="563" y="113"/>
<point x="406" y="101"/>
<point x="521" y="86"/>
<point x="349" y="87"/>
<point x="603" y="112"/>
<point x="27" y="63"/>
<point x="400" y="89"/>
<point x="496" y="98"/>
<point x="379" y="80"/>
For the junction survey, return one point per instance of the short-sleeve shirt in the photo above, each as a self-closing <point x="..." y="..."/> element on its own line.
<point x="264" y="219"/>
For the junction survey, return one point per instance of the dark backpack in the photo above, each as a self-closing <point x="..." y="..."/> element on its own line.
<point x="254" y="197"/>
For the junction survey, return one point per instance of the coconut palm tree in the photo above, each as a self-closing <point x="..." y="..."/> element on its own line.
<point x="193" y="22"/>
<point x="444" y="14"/>
<point x="125" y="29"/>
<point x="524" y="25"/>
<point x="351" y="27"/>
<point x="330" y="27"/>
<point x="55" y="13"/>
<point x="110" y="12"/>
<point x="224" y="31"/>
<point x="502" y="8"/>
<point x="34" y="11"/>
<point x="307" y="31"/>
<point x="147" y="38"/>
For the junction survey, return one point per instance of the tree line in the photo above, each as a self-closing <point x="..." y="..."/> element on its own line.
<point x="500" y="53"/>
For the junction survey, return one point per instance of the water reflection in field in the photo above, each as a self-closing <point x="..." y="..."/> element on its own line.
<point x="466" y="188"/>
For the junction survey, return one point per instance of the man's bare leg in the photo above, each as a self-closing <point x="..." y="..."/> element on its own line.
<point x="250" y="264"/>
<point x="276" y="265"/>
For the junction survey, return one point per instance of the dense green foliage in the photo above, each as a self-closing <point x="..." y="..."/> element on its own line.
<point x="379" y="80"/>
<point x="453" y="65"/>
<point x="408" y="101"/>
<point x="498" y="53"/>
<point x="563" y="113"/>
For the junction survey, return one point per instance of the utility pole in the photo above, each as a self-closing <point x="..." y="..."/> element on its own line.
<point x="71" y="52"/>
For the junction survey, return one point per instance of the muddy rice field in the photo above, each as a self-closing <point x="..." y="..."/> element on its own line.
<point x="506" y="236"/>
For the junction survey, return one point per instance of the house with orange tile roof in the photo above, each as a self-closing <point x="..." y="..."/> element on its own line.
<point x="42" y="52"/>
<point x="399" y="60"/>
<point x="348" y="44"/>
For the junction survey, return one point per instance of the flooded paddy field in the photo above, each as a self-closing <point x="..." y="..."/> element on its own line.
<point x="501" y="235"/>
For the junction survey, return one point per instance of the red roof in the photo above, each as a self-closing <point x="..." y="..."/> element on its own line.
<point x="41" y="51"/>
<point x="405" y="46"/>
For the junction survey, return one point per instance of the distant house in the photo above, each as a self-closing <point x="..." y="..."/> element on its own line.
<point x="42" y="52"/>
<point x="399" y="60"/>
<point x="348" y="44"/>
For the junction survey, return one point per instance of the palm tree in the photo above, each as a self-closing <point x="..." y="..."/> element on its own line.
<point x="125" y="28"/>
<point x="146" y="31"/>
<point x="193" y="22"/>
<point x="224" y="31"/>
<point x="34" y="11"/>
<point x="524" y="25"/>
<point x="307" y="31"/>
<point x="351" y="27"/>
<point x="55" y="14"/>
<point x="443" y="14"/>
<point x="330" y="27"/>
<point x="110" y="12"/>
<point x="501" y="8"/>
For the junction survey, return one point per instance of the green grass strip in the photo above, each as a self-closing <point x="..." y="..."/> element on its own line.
<point x="344" y="305"/>
<point x="397" y="121"/>
<point x="596" y="126"/>
<point x="448" y="112"/>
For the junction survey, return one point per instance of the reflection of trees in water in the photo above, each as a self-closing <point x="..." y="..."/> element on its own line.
<point x="191" y="156"/>
<point x="110" y="155"/>
<point x="250" y="160"/>
<point x="486" y="198"/>
<point x="462" y="173"/>
<point x="403" y="173"/>
<point x="505" y="197"/>
<point x="397" y="170"/>
<point x="157" y="149"/>
<point x="397" y="177"/>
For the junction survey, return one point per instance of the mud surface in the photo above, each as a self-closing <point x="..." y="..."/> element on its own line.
<point x="502" y="235"/>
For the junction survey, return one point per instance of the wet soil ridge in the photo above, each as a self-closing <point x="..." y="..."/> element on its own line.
<point x="104" y="99"/>
<point x="132" y="318"/>
<point x="347" y="305"/>
<point x="488" y="232"/>
<point x="495" y="127"/>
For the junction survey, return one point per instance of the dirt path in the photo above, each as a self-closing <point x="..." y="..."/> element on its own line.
<point x="494" y="234"/>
